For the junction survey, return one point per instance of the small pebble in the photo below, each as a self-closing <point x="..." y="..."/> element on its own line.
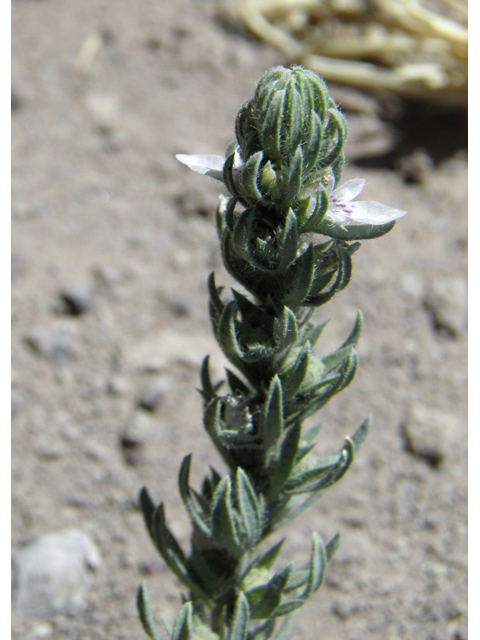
<point x="152" y="394"/>
<point x="425" y="433"/>
<point x="446" y="301"/>
<point x="137" y="432"/>
<point x="77" y="299"/>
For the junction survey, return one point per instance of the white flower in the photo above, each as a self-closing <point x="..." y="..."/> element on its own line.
<point x="210" y="165"/>
<point x="343" y="211"/>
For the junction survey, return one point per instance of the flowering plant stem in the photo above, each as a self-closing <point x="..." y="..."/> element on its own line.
<point x="287" y="233"/>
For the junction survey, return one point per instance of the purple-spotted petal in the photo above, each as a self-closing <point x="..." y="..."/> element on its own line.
<point x="365" y="212"/>
<point x="209" y="165"/>
<point x="348" y="191"/>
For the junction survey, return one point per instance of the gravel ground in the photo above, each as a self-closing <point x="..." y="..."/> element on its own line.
<point x="112" y="243"/>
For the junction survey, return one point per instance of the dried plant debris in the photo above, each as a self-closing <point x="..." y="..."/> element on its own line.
<point x="416" y="48"/>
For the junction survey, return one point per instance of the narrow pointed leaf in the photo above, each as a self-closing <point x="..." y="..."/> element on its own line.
<point x="313" y="334"/>
<point x="361" y="433"/>
<point x="286" y="329"/>
<point x="145" y="613"/>
<point x="288" y="242"/>
<point x="214" y="297"/>
<point x="305" y="478"/>
<point x="249" y="507"/>
<point x="285" y="627"/>
<point x="263" y="631"/>
<point x="318" y="213"/>
<point x="318" y="562"/>
<point x="286" y="460"/>
<point x="236" y="384"/>
<point x="294" y="176"/>
<point x="354" y="231"/>
<point x="305" y="278"/>
<point x="336" y="358"/>
<point x="287" y="607"/>
<point x="223" y="526"/>
<point x="293" y="378"/>
<point x="332" y="546"/>
<point x="267" y="560"/>
<point x="208" y="391"/>
<point x="241" y="616"/>
<point x="227" y="335"/>
<point x="148" y="509"/>
<point x="354" y="336"/>
<point x="312" y="432"/>
<point x="250" y="175"/>
<point x="185" y="493"/>
<point x="173" y="555"/>
<point x="272" y="594"/>
<point x="183" y="627"/>
<point x="272" y="426"/>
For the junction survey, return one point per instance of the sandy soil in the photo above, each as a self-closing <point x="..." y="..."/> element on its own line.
<point x="100" y="201"/>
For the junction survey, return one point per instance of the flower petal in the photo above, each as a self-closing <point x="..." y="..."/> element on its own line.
<point x="366" y="212"/>
<point x="348" y="191"/>
<point x="209" y="165"/>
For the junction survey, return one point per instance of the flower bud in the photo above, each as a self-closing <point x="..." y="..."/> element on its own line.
<point x="291" y="115"/>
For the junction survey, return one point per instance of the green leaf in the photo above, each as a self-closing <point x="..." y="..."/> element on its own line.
<point x="313" y="334"/>
<point x="354" y="232"/>
<point x="208" y="391"/>
<point x="348" y="371"/>
<point x="272" y="594"/>
<point x="285" y="329"/>
<point x="173" y="555"/>
<point x="228" y="175"/>
<point x="214" y="294"/>
<point x="241" y="616"/>
<point x="251" y="176"/>
<point x="249" y="507"/>
<point x="284" y="465"/>
<point x="361" y="433"/>
<point x="355" y="333"/>
<point x="245" y="306"/>
<point x="270" y="131"/>
<point x="294" y="177"/>
<point x="227" y="334"/>
<point x="336" y="358"/>
<point x="305" y="278"/>
<point x="223" y="526"/>
<point x="148" y="509"/>
<point x="344" y="273"/>
<point x="145" y="613"/>
<point x="272" y="424"/>
<point x="339" y="470"/>
<point x="293" y="378"/>
<point x="263" y="631"/>
<point x="318" y="562"/>
<point x="312" y="432"/>
<point x="288" y="242"/>
<point x="332" y="546"/>
<point x="183" y="627"/>
<point x="345" y="461"/>
<point x="267" y="560"/>
<point x="287" y="607"/>
<point x="318" y="213"/>
<point x="183" y="477"/>
<point x="336" y="124"/>
<point x="305" y="478"/>
<point x="236" y="384"/>
<point x="285" y="627"/>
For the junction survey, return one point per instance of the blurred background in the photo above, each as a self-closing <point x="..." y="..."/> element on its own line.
<point x="112" y="242"/>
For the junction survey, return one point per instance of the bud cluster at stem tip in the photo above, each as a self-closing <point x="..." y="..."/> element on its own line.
<point x="290" y="136"/>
